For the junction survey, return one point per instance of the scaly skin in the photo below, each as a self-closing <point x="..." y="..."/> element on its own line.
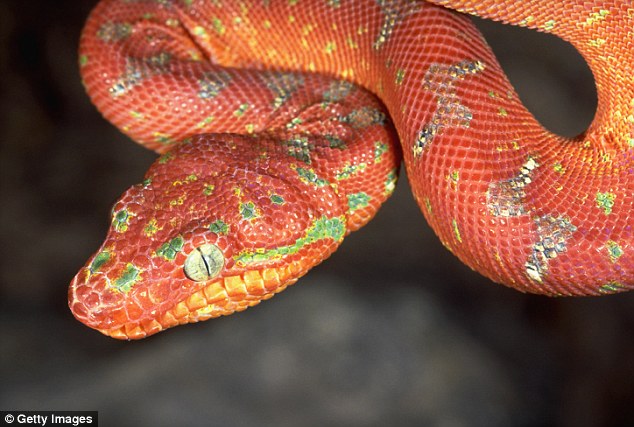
<point x="264" y="170"/>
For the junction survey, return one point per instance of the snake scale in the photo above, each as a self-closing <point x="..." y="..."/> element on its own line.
<point x="278" y="125"/>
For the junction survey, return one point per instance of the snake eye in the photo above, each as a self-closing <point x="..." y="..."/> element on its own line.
<point x="204" y="263"/>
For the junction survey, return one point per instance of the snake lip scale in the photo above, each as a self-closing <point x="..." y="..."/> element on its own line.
<point x="281" y="127"/>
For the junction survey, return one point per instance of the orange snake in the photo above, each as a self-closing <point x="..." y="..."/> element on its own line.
<point x="267" y="162"/>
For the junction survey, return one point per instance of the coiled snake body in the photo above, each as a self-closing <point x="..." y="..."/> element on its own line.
<point x="267" y="162"/>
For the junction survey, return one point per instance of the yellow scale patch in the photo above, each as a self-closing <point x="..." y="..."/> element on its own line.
<point x="400" y="76"/>
<point x="549" y="25"/>
<point x="456" y="230"/>
<point x="527" y="21"/>
<point x="559" y="168"/>
<point x="204" y="122"/>
<point x="598" y="42"/>
<point x="307" y="29"/>
<point x="453" y="178"/>
<point x="428" y="205"/>
<point x="187" y="180"/>
<point x="208" y="189"/>
<point x="348" y="73"/>
<point x="201" y="32"/>
<point x="178" y="201"/>
<point x="508" y="145"/>
<point x="171" y="22"/>
<point x="136" y="115"/>
<point x="151" y="228"/>
<point x="596" y="17"/>
<point x="162" y="138"/>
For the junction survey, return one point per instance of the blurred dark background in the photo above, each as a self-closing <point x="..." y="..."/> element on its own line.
<point x="391" y="331"/>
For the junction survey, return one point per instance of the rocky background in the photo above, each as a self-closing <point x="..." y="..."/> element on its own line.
<point x="391" y="331"/>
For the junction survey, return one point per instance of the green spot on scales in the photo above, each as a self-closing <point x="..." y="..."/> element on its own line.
<point x="99" y="260"/>
<point x="128" y="278"/>
<point x="219" y="227"/>
<point x="358" y="200"/>
<point x="249" y="211"/>
<point x="121" y="220"/>
<point x="614" y="250"/>
<point x="606" y="201"/>
<point x="322" y="228"/>
<point x="169" y="250"/>
<point x="276" y="199"/>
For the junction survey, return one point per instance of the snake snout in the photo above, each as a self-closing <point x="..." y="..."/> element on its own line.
<point x="87" y="303"/>
<point x="110" y="313"/>
<point x="102" y="296"/>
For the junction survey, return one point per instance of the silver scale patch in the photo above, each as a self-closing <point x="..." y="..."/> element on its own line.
<point x="552" y="234"/>
<point x="506" y="198"/>
<point x="338" y="90"/>
<point x="441" y="79"/>
<point x="138" y="69"/>
<point x="393" y="11"/>
<point x="114" y="31"/>
<point x="283" y="85"/>
<point x="364" y="117"/>
<point x="299" y="147"/>
<point x="212" y="83"/>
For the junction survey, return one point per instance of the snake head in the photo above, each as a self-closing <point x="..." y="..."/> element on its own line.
<point x="208" y="232"/>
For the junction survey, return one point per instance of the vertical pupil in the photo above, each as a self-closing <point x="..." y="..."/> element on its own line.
<point x="204" y="260"/>
<point x="204" y="263"/>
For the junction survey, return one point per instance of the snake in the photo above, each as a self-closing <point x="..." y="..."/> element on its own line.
<point x="281" y="127"/>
